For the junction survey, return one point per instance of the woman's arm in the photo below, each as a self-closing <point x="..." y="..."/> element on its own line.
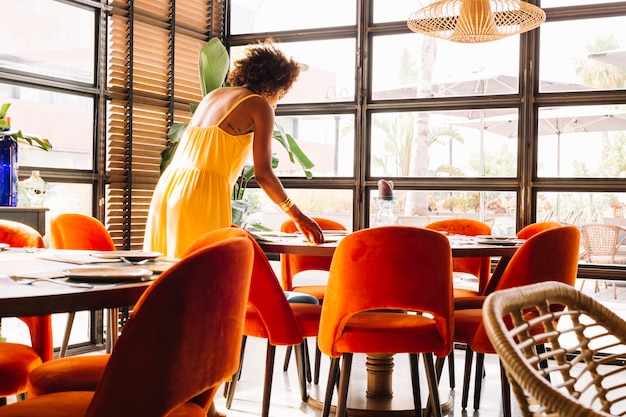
<point x="263" y="117"/>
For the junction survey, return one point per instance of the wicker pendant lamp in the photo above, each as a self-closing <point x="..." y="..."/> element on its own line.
<point x="471" y="21"/>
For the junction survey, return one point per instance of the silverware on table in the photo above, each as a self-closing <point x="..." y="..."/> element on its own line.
<point x="29" y="281"/>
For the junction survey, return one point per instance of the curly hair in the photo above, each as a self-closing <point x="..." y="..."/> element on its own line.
<point x="265" y="70"/>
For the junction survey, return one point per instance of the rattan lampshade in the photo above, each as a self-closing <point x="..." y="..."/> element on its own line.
<point x="470" y="21"/>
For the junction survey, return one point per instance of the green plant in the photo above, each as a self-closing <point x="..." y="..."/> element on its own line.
<point x="18" y="136"/>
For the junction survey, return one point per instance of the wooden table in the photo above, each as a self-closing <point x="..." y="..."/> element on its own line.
<point x="381" y="397"/>
<point x="48" y="298"/>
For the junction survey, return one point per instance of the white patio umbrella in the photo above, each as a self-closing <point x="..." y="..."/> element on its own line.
<point x="554" y="122"/>
<point x="615" y="57"/>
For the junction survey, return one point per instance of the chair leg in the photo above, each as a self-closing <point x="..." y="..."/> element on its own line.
<point x="433" y="386"/>
<point x="478" y="379"/>
<point x="318" y="362"/>
<point x="467" y="373"/>
<point x="415" y="382"/>
<point x="506" y="392"/>
<point x="307" y="361"/>
<point x="66" y="336"/>
<point x="302" y="371"/>
<point x="229" y="387"/>
<point x="269" y="376"/>
<point x="333" y="373"/>
<point x="287" y="357"/>
<point x="344" y="380"/>
<point x="451" y="369"/>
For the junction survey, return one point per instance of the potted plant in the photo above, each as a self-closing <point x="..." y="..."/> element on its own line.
<point x="9" y="140"/>
<point x="17" y="135"/>
<point x="213" y="67"/>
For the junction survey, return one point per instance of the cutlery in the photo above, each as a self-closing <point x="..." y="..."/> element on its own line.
<point x="129" y="262"/>
<point x="29" y="281"/>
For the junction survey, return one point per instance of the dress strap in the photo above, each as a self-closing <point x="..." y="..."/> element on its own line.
<point x="234" y="106"/>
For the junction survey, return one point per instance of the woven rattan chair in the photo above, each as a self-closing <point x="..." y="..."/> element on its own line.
<point x="602" y="244"/>
<point x="580" y="374"/>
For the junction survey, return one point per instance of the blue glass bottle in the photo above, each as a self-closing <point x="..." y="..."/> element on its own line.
<point x="8" y="171"/>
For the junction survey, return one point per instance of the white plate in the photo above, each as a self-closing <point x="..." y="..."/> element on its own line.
<point x="131" y="255"/>
<point x="495" y="237"/>
<point x="4" y="246"/>
<point x="500" y="242"/>
<point x="122" y="273"/>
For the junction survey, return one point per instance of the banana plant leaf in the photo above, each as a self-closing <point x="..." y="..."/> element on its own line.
<point x="18" y="136"/>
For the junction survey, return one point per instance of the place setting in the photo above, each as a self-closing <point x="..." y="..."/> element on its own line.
<point x="499" y="240"/>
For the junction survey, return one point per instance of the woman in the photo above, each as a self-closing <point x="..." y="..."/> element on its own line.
<point x="193" y="194"/>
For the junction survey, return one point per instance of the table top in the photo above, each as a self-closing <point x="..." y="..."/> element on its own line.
<point x="462" y="246"/>
<point x="47" y="298"/>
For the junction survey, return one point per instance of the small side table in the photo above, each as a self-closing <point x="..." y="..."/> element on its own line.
<point x="35" y="217"/>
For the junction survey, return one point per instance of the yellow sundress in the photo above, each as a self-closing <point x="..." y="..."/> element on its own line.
<point x="193" y="195"/>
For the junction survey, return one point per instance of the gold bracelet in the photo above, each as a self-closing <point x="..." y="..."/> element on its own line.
<point x="286" y="204"/>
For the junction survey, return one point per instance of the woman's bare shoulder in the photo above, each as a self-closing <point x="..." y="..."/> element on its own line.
<point x="214" y="106"/>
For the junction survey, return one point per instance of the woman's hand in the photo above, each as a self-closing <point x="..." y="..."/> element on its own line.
<point x="309" y="229"/>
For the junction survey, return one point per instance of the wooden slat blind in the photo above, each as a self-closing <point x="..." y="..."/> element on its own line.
<point x="152" y="81"/>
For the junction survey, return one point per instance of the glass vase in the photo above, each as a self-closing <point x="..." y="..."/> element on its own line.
<point x="385" y="216"/>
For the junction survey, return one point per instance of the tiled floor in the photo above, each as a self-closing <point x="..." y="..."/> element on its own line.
<point x="286" y="402"/>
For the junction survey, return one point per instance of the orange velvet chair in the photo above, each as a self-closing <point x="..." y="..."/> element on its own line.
<point x="80" y="232"/>
<point x="270" y="316"/>
<point x="82" y="373"/>
<point x="480" y="268"/>
<point x="169" y="361"/>
<point x="18" y="360"/>
<point x="534" y="228"/>
<point x="524" y="233"/>
<point x="381" y="280"/>
<point x="294" y="264"/>
<point x="549" y="255"/>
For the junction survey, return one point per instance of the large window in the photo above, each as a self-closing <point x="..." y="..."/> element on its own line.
<point x="523" y="129"/>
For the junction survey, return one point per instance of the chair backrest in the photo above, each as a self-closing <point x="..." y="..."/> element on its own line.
<point x="389" y="267"/>
<point x="551" y="255"/>
<point x="183" y="338"/>
<point x="266" y="295"/>
<point x="19" y="235"/>
<point x="292" y="264"/>
<point x="534" y="228"/>
<point x="479" y="267"/>
<point x="600" y="242"/>
<point x="573" y="377"/>
<point x="268" y="299"/>
<point x="79" y="231"/>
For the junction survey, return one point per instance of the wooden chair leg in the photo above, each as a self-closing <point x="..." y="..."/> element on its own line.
<point x="269" y="376"/>
<point x="302" y="371"/>
<point x="229" y="387"/>
<point x="287" y="357"/>
<point x="467" y="373"/>
<point x="66" y="336"/>
<point x="318" y="363"/>
<point x="307" y="362"/>
<point x="344" y="381"/>
<point x="333" y="373"/>
<point x="433" y="386"/>
<point x="478" y="379"/>
<point x="415" y="383"/>
<point x="451" y="369"/>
